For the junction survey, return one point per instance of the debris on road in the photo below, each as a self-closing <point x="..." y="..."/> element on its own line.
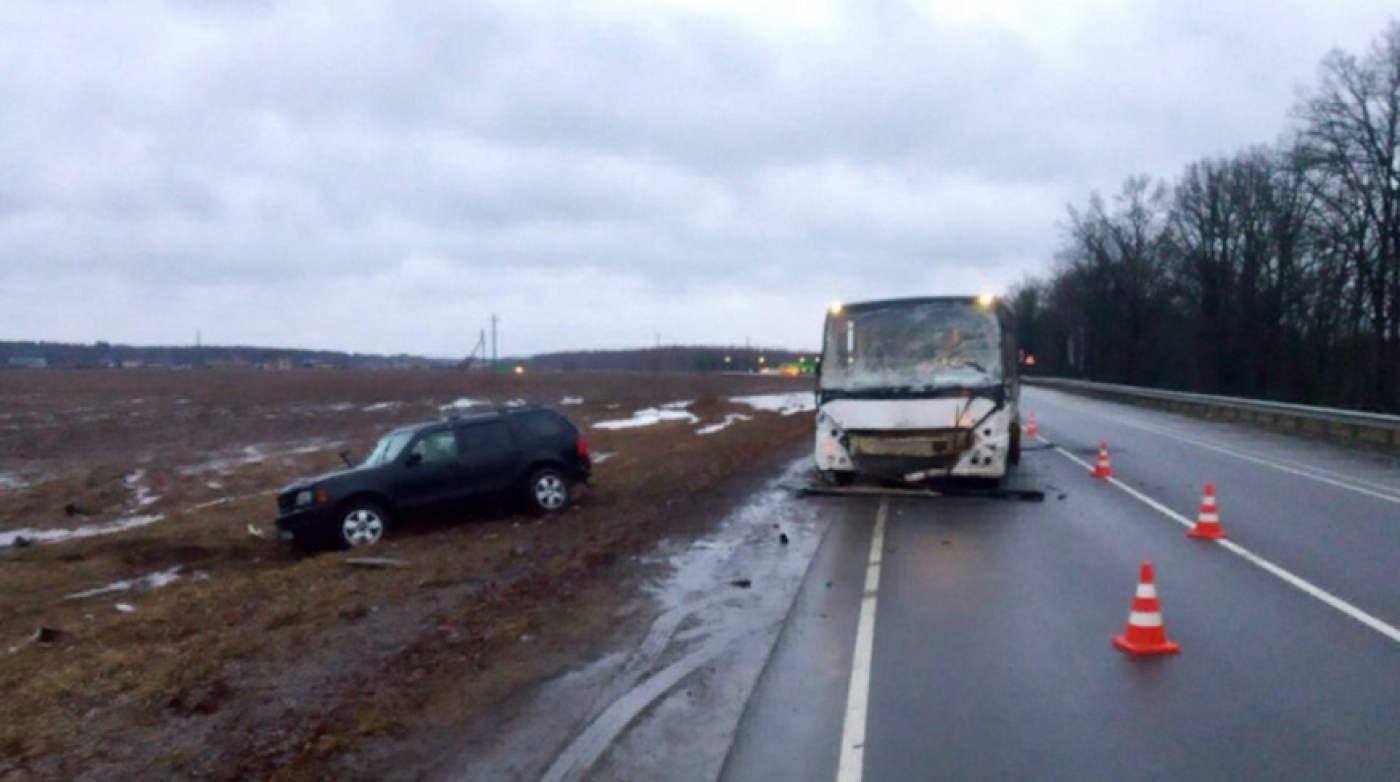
<point x="742" y="583"/>
<point x="256" y="531"/>
<point x="21" y="541"/>
<point x="783" y="538"/>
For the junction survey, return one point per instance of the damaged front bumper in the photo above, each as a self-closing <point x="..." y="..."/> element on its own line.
<point x="914" y="451"/>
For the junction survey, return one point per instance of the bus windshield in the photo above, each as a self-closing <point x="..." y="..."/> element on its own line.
<point x="912" y="346"/>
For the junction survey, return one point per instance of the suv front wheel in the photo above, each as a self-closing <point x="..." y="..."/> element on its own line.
<point x="361" y="523"/>
<point x="547" y="491"/>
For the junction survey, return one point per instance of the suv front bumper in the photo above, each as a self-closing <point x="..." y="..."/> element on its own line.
<point x="308" y="520"/>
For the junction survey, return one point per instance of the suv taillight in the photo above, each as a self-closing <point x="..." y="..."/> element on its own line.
<point x="582" y="448"/>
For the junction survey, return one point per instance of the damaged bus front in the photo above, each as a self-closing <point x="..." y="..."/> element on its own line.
<point x="918" y="388"/>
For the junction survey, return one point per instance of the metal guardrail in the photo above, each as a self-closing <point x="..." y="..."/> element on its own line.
<point x="1374" y="429"/>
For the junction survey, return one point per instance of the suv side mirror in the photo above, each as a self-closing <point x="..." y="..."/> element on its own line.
<point x="414" y="459"/>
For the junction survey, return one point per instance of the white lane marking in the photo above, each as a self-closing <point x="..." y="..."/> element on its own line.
<point x="852" y="764"/>
<point x="1340" y="480"/>
<point x="1326" y="597"/>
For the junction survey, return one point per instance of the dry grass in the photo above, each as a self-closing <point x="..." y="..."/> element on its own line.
<point x="274" y="665"/>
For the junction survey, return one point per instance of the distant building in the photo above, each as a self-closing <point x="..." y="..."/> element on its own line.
<point x="28" y="363"/>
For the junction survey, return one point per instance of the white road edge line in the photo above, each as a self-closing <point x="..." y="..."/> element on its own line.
<point x="1329" y="477"/>
<point x="852" y="765"/>
<point x="1263" y="564"/>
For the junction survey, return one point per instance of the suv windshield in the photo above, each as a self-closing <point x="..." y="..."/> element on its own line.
<point x="923" y="345"/>
<point x="388" y="448"/>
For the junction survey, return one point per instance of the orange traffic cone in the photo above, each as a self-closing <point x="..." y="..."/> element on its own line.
<point x="1102" y="469"/>
<point x="1031" y="429"/>
<point x="1145" y="633"/>
<point x="1208" y="522"/>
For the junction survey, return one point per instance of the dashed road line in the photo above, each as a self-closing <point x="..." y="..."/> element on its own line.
<point x="1329" y="477"/>
<point x="1387" y="630"/>
<point x="852" y="764"/>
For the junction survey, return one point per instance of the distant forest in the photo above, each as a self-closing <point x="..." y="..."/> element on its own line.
<point x="1273" y="272"/>
<point x="681" y="358"/>
<point x="64" y="355"/>
<point x="58" y="355"/>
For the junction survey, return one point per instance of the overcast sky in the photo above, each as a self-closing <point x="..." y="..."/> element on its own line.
<point x="380" y="177"/>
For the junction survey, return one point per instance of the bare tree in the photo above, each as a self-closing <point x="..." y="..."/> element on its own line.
<point x="1350" y="143"/>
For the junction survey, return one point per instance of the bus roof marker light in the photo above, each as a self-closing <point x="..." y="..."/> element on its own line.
<point x="835" y="308"/>
<point x="985" y="300"/>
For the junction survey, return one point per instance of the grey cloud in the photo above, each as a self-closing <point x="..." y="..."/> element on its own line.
<point x="659" y="164"/>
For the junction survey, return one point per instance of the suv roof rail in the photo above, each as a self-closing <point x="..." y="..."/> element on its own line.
<point x="456" y="415"/>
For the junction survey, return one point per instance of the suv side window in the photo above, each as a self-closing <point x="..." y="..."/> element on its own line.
<point x="488" y="437"/>
<point x="543" y="424"/>
<point x="436" y="447"/>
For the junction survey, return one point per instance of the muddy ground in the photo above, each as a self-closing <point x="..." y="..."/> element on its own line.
<point x="227" y="656"/>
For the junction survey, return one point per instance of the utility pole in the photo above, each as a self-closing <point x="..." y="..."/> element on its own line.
<point x="494" y="355"/>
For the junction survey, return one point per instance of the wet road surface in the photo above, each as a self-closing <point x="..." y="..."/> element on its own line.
<point x="990" y="654"/>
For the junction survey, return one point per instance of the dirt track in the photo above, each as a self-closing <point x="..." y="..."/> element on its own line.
<point x="256" y="663"/>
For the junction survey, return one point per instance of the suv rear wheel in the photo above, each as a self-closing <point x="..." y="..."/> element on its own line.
<point x="361" y="523"/>
<point x="547" y="491"/>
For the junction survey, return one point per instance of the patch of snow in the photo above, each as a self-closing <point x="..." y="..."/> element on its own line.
<point x="339" y="407"/>
<point x="154" y="580"/>
<point x="678" y="405"/>
<point x="462" y="404"/>
<point x="9" y="481"/>
<point x="649" y="417"/>
<point x="787" y="404"/>
<point x="516" y="403"/>
<point x="125" y="608"/>
<point x="214" y="485"/>
<point x="728" y="420"/>
<point x="7" y="538"/>
<point x="135" y="482"/>
<point x="570" y="400"/>
<point x="380" y="406"/>
<point x="599" y="458"/>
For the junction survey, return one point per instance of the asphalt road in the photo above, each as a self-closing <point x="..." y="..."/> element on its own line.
<point x="990" y="655"/>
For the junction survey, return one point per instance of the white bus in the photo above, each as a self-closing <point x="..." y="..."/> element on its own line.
<point x="918" y="388"/>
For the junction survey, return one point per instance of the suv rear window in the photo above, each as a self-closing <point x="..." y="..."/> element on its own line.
<point x="544" y="424"/>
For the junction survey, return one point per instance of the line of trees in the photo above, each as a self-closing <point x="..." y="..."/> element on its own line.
<point x="1271" y="273"/>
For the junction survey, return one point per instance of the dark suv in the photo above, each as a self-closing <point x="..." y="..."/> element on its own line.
<point x="531" y="450"/>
